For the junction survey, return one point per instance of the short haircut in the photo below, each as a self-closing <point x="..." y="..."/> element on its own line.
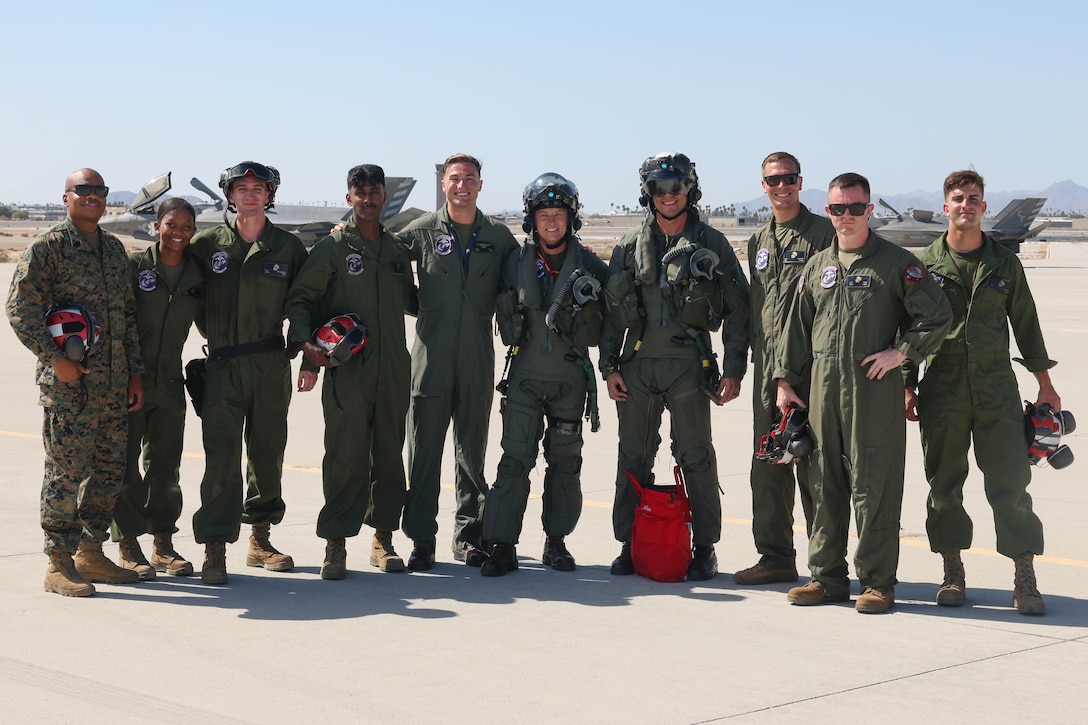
<point x="462" y="159"/>
<point x="781" y="156"/>
<point x="173" y="204"/>
<point x="960" y="179"/>
<point x="366" y="175"/>
<point x="849" y="180"/>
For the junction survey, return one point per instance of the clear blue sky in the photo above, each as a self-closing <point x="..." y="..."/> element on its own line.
<point x="901" y="92"/>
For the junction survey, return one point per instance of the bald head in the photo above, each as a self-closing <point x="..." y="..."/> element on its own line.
<point x="85" y="211"/>
<point x="83" y="176"/>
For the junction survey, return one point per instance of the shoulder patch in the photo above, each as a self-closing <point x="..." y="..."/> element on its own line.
<point x="914" y="274"/>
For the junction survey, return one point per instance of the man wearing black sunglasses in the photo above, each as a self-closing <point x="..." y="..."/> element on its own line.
<point x="776" y="255"/>
<point x="86" y="402"/>
<point x="863" y="306"/>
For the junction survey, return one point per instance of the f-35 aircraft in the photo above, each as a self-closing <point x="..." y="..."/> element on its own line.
<point x="1010" y="227"/>
<point x="308" y="223"/>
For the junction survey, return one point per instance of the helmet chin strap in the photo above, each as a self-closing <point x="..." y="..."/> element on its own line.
<point x="670" y="218"/>
<point x="557" y="245"/>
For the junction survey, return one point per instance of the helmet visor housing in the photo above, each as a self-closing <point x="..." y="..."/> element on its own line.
<point x="669" y="173"/>
<point x="551" y="190"/>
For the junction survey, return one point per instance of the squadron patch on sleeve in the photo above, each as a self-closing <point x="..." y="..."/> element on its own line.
<point x="147" y="280"/>
<point x="443" y="245"/>
<point x="763" y="257"/>
<point x="801" y="284"/>
<point x="219" y="262"/>
<point x="828" y="276"/>
<point x="914" y="274"/>
<point x="354" y="263"/>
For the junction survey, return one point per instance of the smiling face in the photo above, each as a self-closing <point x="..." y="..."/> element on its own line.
<point x="175" y="230"/>
<point x="965" y="208"/>
<point x="784" y="198"/>
<point x="462" y="184"/>
<point x="249" y="196"/>
<point x="84" y="211"/>
<point x="551" y="228"/>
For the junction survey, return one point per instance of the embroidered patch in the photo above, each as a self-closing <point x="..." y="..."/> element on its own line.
<point x="1002" y="285"/>
<point x="801" y="284"/>
<point x="859" y="281"/>
<point x="763" y="258"/>
<point x="443" y="245"/>
<point x="276" y="269"/>
<point x="219" y="262"/>
<point x="795" y="256"/>
<point x="354" y="264"/>
<point x="938" y="278"/>
<point x="828" y="277"/>
<point x="541" y="269"/>
<point x="914" y="274"/>
<point x="147" y="280"/>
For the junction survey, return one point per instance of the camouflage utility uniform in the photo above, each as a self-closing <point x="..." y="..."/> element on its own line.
<point x="86" y="421"/>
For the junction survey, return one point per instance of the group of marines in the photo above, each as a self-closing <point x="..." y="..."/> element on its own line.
<point x="839" y="322"/>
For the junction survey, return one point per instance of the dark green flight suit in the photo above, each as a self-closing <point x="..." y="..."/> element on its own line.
<point x="776" y="255"/>
<point x="85" y="422"/>
<point x="666" y="371"/>
<point x="546" y="380"/>
<point x="885" y="299"/>
<point x="453" y="368"/>
<point x="969" y="392"/>
<point x="150" y="501"/>
<point x="246" y="392"/>
<point x="365" y="400"/>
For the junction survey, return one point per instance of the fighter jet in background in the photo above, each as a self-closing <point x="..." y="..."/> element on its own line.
<point x="1010" y="227"/>
<point x="308" y="223"/>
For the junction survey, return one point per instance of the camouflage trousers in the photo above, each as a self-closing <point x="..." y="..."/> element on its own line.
<point x="85" y="440"/>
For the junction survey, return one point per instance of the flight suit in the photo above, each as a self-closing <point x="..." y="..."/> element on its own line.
<point x="453" y="368"/>
<point x="666" y="370"/>
<point x="365" y="400"/>
<point x="969" y="392"/>
<point x="246" y="395"/>
<point x="546" y="380"/>
<point x="85" y="422"/>
<point x="150" y="501"/>
<point x="776" y="255"/>
<point x="841" y="316"/>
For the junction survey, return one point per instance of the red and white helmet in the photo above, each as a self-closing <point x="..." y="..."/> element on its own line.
<point x="341" y="337"/>
<point x="76" y="330"/>
<point x="1044" y="429"/>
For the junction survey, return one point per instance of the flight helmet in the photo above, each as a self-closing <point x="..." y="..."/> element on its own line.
<point x="260" y="172"/>
<point x="668" y="173"/>
<point x="341" y="337"/>
<point x="550" y="190"/>
<point x="76" y="330"/>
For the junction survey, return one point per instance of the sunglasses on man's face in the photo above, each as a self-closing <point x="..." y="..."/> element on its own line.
<point x="98" y="190"/>
<point x="779" y="179"/>
<point x="856" y="209"/>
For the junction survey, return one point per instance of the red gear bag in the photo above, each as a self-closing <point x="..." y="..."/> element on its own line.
<point x="661" y="532"/>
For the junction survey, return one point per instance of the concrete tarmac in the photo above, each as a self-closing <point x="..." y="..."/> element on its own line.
<point x="539" y="645"/>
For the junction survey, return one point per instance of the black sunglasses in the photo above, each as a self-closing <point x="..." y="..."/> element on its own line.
<point x="779" y="179"/>
<point x="856" y="209"/>
<point x="87" y="189"/>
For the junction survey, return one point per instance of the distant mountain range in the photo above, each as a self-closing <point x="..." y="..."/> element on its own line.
<point x="1064" y="196"/>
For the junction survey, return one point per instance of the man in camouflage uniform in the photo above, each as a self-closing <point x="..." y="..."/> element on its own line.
<point x="969" y="392"/>
<point x="169" y="291"/>
<point x="248" y="266"/>
<point x="361" y="270"/>
<point x="776" y="255"/>
<point x="550" y="313"/>
<point x="86" y="403"/>
<point x="672" y="282"/>
<point x="863" y="306"/>
<point x="459" y="253"/>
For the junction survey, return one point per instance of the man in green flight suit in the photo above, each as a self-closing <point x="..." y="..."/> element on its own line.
<point x="459" y="254"/>
<point x="550" y="314"/>
<point x="361" y="270"/>
<point x="248" y="265"/>
<point x="71" y="285"/>
<point x="169" y="290"/>
<point x="969" y="392"/>
<point x="776" y="255"/>
<point x="671" y="283"/>
<point x="863" y="306"/>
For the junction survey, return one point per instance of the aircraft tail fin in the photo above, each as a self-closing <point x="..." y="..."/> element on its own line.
<point x="201" y="186"/>
<point x="1016" y="218"/>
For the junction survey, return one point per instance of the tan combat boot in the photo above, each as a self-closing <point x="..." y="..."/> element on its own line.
<point x="166" y="560"/>
<point x="93" y="566"/>
<point x="132" y="557"/>
<point x="382" y="554"/>
<point x="262" y="553"/>
<point x="336" y="560"/>
<point x="214" y="570"/>
<point x="1025" y="593"/>
<point x="954" y="589"/>
<point x="62" y="578"/>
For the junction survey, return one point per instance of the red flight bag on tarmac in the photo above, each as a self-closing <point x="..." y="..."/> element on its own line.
<point x="661" y="532"/>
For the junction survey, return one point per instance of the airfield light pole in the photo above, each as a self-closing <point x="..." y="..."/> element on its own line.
<point x="439" y="195"/>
